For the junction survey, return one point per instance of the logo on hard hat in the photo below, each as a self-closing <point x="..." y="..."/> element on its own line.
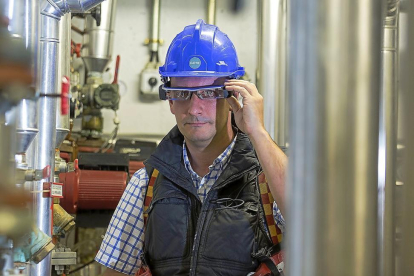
<point x="195" y="62"/>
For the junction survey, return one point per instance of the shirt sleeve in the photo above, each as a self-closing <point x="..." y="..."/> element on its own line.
<point x="122" y="245"/>
<point x="279" y="219"/>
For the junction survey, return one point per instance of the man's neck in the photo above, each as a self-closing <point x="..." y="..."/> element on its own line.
<point x="202" y="156"/>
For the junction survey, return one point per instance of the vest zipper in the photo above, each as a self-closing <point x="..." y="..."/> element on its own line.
<point x="201" y="221"/>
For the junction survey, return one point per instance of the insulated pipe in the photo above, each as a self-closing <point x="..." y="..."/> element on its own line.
<point x="51" y="13"/>
<point x="211" y="12"/>
<point x="388" y="142"/>
<point x="334" y="77"/>
<point x="272" y="66"/>
<point x="407" y="85"/>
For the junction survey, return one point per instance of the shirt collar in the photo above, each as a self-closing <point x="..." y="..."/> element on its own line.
<point x="221" y="160"/>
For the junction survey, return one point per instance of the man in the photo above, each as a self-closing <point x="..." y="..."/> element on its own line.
<point x="205" y="217"/>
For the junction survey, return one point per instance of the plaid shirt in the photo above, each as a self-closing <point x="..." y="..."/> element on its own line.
<point x="124" y="239"/>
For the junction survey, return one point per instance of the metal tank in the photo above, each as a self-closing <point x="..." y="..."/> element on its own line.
<point x="334" y="84"/>
<point x="406" y="252"/>
<point x="23" y="24"/>
<point x="98" y="40"/>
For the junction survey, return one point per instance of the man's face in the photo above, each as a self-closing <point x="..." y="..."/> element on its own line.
<point x="200" y="120"/>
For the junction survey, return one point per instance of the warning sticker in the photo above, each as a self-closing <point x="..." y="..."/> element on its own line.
<point x="56" y="190"/>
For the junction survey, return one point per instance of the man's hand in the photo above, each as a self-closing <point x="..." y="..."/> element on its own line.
<point x="249" y="118"/>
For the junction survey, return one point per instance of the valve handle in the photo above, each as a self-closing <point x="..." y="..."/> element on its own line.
<point x="75" y="49"/>
<point x="118" y="60"/>
<point x="46" y="172"/>
<point x="64" y="96"/>
<point x="76" y="164"/>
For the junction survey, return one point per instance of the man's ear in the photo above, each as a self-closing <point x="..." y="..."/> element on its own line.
<point x="171" y="106"/>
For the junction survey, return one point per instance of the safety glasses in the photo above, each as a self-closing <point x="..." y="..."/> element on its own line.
<point x="184" y="93"/>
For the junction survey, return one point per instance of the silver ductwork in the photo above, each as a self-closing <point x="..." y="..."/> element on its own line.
<point x="388" y="141"/>
<point x="272" y="66"/>
<point x="334" y="77"/>
<point x="98" y="40"/>
<point x="24" y="16"/>
<point x="51" y="14"/>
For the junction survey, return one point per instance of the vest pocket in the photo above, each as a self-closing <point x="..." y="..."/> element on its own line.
<point x="166" y="234"/>
<point x="231" y="236"/>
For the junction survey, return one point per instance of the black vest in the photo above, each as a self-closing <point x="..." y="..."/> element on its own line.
<point x="184" y="236"/>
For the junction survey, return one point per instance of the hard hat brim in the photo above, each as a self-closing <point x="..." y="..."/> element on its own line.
<point x="235" y="74"/>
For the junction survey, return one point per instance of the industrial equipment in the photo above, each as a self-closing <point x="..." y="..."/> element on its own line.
<point x="96" y="95"/>
<point x="149" y="76"/>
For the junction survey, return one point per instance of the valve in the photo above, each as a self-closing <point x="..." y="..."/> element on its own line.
<point x="76" y="49"/>
<point x="36" y="175"/>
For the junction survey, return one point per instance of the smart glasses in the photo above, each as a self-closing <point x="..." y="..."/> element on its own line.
<point x="185" y="93"/>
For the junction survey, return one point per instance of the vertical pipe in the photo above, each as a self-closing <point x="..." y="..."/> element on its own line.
<point x="47" y="107"/>
<point x="407" y="95"/>
<point x="155" y="26"/>
<point x="272" y="66"/>
<point x="211" y="12"/>
<point x="62" y="121"/>
<point x="388" y="142"/>
<point x="280" y="110"/>
<point x="267" y="59"/>
<point x="334" y="78"/>
<point x="51" y="12"/>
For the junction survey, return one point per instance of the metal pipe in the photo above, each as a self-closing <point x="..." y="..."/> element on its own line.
<point x="334" y="77"/>
<point x="388" y="142"/>
<point x="51" y="12"/>
<point x="272" y="66"/>
<point x="155" y="26"/>
<point x="267" y="60"/>
<point x="406" y="266"/>
<point x="211" y="12"/>
<point x="62" y="121"/>
<point x="281" y="101"/>
<point x="98" y="40"/>
<point x="27" y="116"/>
<point x="23" y="16"/>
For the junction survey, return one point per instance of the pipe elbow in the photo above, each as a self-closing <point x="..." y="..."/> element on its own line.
<point x="51" y="9"/>
<point x="58" y="8"/>
<point x="392" y="10"/>
<point x="78" y="6"/>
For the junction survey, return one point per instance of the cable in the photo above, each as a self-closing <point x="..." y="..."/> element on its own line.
<point x="81" y="267"/>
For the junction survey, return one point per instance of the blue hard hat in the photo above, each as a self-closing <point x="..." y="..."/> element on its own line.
<point x="201" y="50"/>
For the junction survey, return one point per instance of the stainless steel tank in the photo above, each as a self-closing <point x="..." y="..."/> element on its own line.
<point x="98" y="40"/>
<point x="23" y="25"/>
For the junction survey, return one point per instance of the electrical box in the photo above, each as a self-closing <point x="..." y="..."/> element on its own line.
<point x="149" y="82"/>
